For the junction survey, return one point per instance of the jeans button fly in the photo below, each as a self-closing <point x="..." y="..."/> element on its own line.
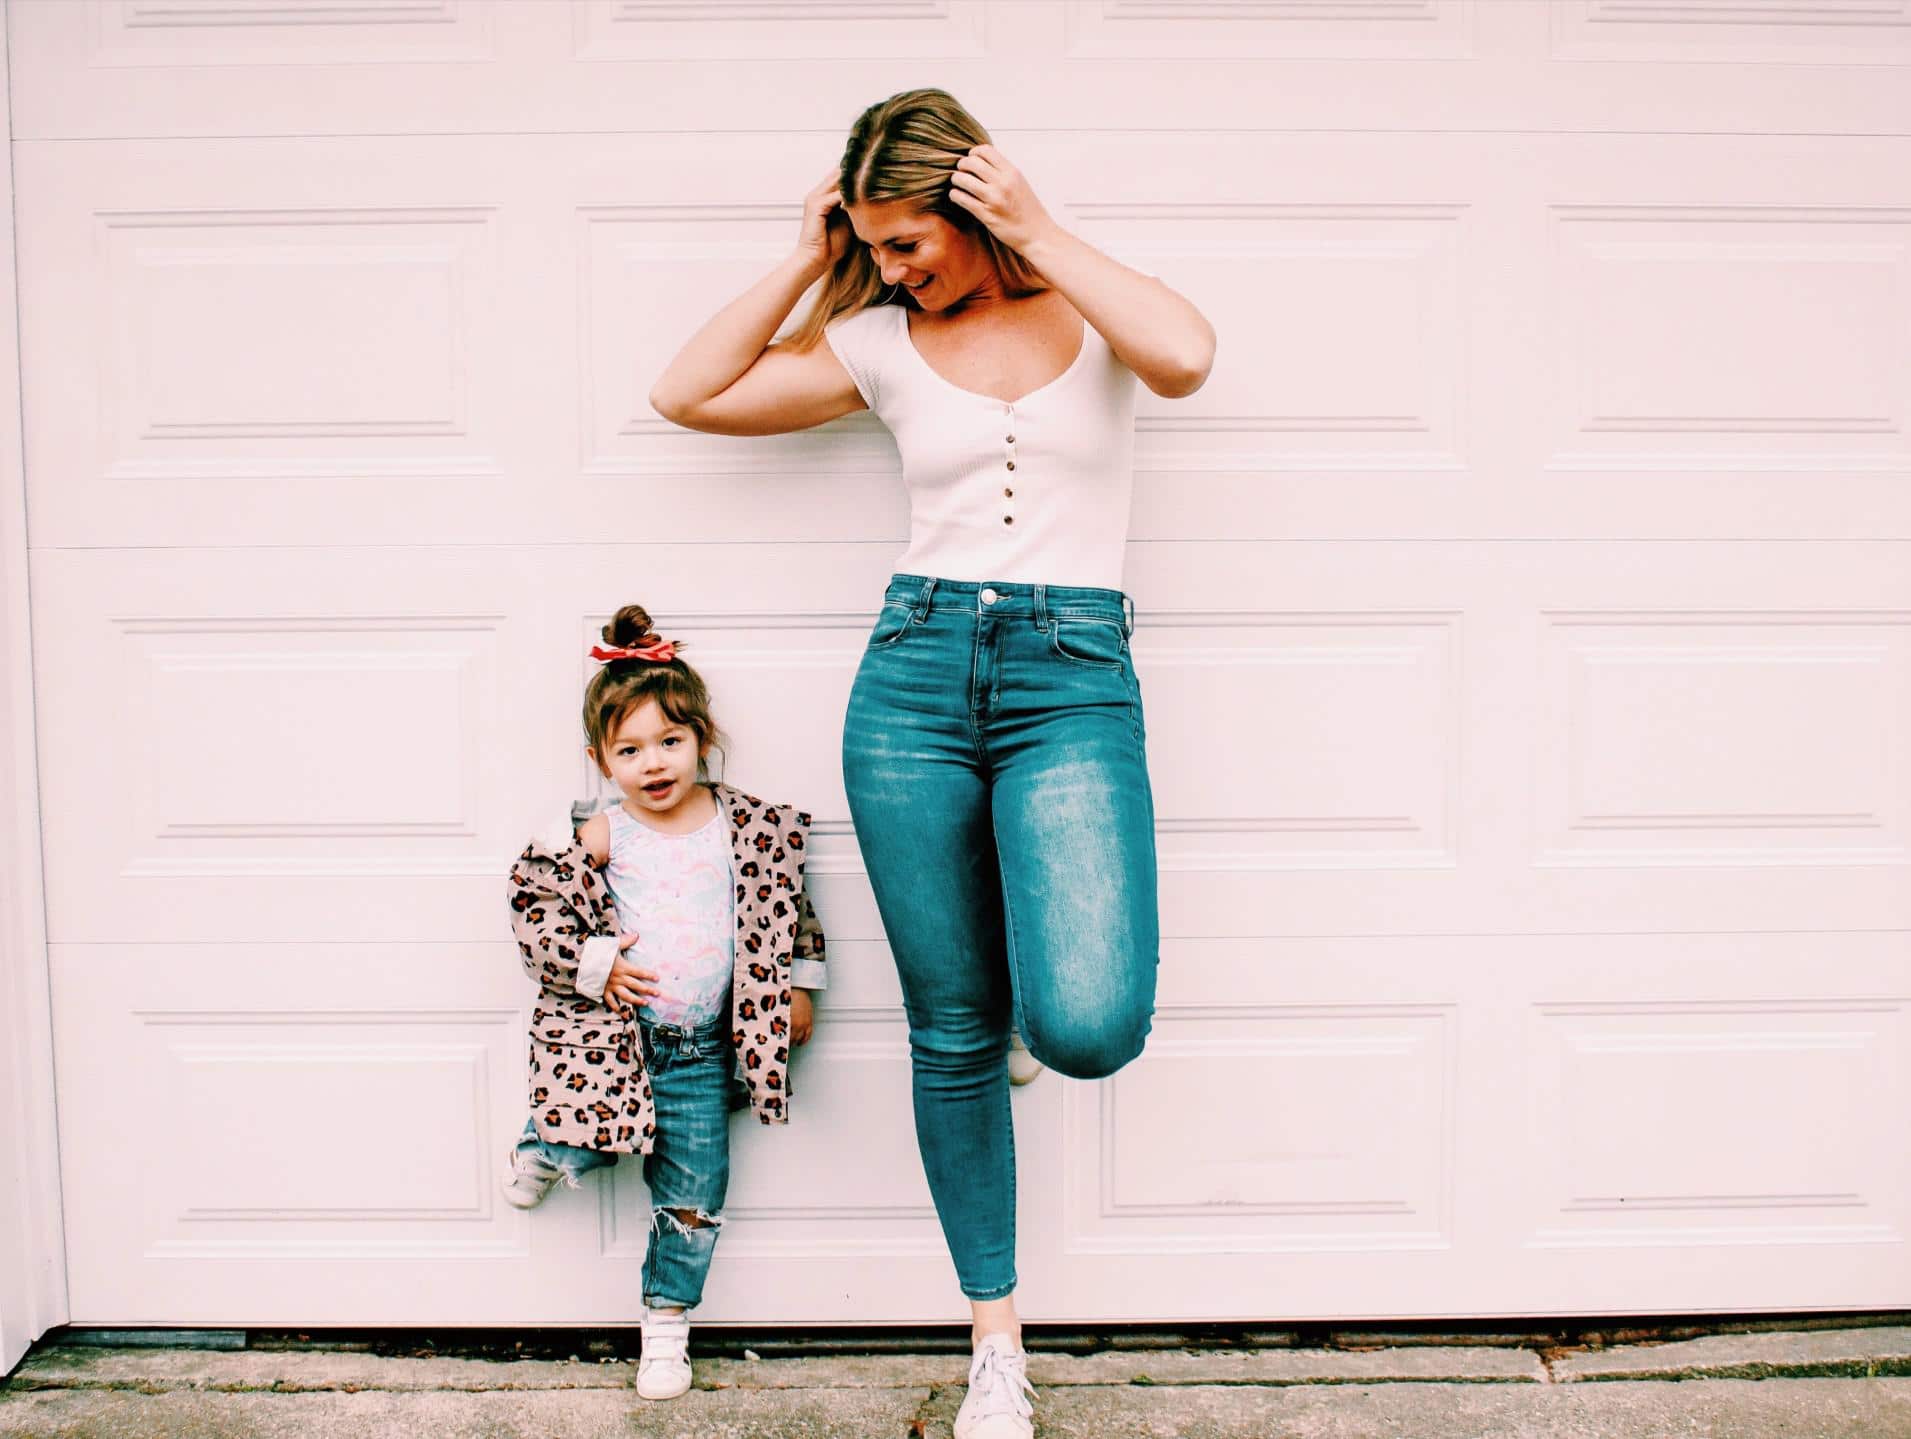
<point x="989" y="597"/>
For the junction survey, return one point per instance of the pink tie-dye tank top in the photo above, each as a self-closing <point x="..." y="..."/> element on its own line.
<point x="674" y="892"/>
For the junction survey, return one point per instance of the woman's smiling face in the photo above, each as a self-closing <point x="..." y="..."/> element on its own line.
<point x="922" y="252"/>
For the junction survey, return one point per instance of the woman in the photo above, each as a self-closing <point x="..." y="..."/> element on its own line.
<point x="993" y="749"/>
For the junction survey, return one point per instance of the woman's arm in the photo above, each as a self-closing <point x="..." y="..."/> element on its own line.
<point x="1159" y="335"/>
<point x="728" y="380"/>
<point x="728" y="344"/>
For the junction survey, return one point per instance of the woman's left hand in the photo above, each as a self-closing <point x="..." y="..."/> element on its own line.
<point x="802" y="1016"/>
<point x="1000" y="196"/>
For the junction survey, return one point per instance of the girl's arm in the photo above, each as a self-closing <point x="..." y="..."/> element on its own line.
<point x="555" y="943"/>
<point x="594" y="835"/>
<point x="807" y="970"/>
<point x="807" y="959"/>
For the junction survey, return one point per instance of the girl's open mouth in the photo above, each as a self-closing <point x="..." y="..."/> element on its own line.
<point x="659" y="789"/>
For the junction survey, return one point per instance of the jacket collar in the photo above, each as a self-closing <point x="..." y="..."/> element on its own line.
<point x="560" y="833"/>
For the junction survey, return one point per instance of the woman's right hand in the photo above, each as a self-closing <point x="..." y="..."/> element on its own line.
<point x="826" y="234"/>
<point x="628" y="986"/>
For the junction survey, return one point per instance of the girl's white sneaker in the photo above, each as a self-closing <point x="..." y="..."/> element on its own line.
<point x="663" y="1365"/>
<point x="999" y="1402"/>
<point x="530" y="1179"/>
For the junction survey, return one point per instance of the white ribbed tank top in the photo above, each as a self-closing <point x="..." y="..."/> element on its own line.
<point x="1031" y="491"/>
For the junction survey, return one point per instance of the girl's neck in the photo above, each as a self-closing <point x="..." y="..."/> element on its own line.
<point x="695" y="812"/>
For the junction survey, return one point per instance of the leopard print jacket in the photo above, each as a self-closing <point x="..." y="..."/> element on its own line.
<point x="587" y="1081"/>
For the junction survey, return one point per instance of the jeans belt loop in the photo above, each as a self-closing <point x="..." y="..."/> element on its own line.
<point x="1128" y="615"/>
<point x="922" y="600"/>
<point x="1041" y="609"/>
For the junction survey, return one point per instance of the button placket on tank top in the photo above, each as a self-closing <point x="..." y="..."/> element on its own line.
<point x="1008" y="455"/>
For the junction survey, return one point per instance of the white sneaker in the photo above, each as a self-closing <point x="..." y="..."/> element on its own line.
<point x="663" y="1365"/>
<point x="1023" y="1066"/>
<point x="530" y="1179"/>
<point x="999" y="1402"/>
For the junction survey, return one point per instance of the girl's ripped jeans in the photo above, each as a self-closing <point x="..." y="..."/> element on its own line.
<point x="688" y="1168"/>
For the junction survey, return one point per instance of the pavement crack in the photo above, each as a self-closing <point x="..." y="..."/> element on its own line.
<point x="918" y="1426"/>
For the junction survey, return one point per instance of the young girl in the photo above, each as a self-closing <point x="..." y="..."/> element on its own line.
<point x="675" y="947"/>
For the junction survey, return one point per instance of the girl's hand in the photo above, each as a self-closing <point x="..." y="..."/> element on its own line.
<point x="1000" y="196"/>
<point x="628" y="986"/>
<point x="802" y="1016"/>
<point x="825" y="234"/>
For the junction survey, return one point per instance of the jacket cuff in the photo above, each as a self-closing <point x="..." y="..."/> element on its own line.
<point x="807" y="974"/>
<point x="593" y="965"/>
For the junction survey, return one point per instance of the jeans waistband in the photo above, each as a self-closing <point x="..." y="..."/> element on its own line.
<point x="925" y="593"/>
<point x="717" y="1028"/>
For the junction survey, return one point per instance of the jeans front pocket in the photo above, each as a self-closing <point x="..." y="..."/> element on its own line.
<point x="892" y="624"/>
<point x="1099" y="644"/>
<point x="661" y="1052"/>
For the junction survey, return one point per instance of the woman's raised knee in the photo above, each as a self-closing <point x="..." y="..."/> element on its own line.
<point x="1086" y="1052"/>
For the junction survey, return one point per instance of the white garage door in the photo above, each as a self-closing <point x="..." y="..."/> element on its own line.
<point x="1525" y="625"/>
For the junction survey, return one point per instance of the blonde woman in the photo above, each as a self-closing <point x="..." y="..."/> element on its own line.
<point x="993" y="752"/>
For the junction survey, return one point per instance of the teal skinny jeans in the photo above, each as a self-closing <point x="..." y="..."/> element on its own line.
<point x="994" y="760"/>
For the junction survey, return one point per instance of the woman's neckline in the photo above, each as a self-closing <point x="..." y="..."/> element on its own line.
<point x="909" y="340"/>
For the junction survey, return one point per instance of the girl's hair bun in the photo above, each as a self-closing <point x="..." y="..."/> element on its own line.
<point x="629" y="627"/>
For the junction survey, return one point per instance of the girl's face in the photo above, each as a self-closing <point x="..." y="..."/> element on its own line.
<point x="923" y="253"/>
<point x="653" y="759"/>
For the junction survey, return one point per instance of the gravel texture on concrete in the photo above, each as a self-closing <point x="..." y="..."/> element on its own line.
<point x="544" y="1414"/>
<point x="1763" y="1384"/>
<point x="1854" y="1353"/>
<point x="290" y="1371"/>
<point x="1710" y="1409"/>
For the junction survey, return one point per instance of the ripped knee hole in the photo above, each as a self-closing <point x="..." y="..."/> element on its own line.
<point x="686" y="1220"/>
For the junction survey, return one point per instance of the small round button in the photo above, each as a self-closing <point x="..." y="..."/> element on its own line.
<point x="989" y="597"/>
<point x="1007" y="493"/>
<point x="1008" y="519"/>
<point x="1011" y="464"/>
<point x="1011" y="439"/>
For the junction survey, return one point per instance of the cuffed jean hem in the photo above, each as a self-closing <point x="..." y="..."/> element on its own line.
<point x="983" y="1296"/>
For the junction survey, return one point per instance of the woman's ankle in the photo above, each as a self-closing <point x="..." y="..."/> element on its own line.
<point x="994" y="1316"/>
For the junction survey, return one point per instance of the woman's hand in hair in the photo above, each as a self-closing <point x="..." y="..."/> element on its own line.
<point x="825" y="236"/>
<point x="1000" y="196"/>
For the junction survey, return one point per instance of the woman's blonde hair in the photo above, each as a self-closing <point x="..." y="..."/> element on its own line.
<point x="905" y="148"/>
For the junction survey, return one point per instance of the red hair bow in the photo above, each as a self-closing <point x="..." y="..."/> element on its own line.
<point x="657" y="652"/>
